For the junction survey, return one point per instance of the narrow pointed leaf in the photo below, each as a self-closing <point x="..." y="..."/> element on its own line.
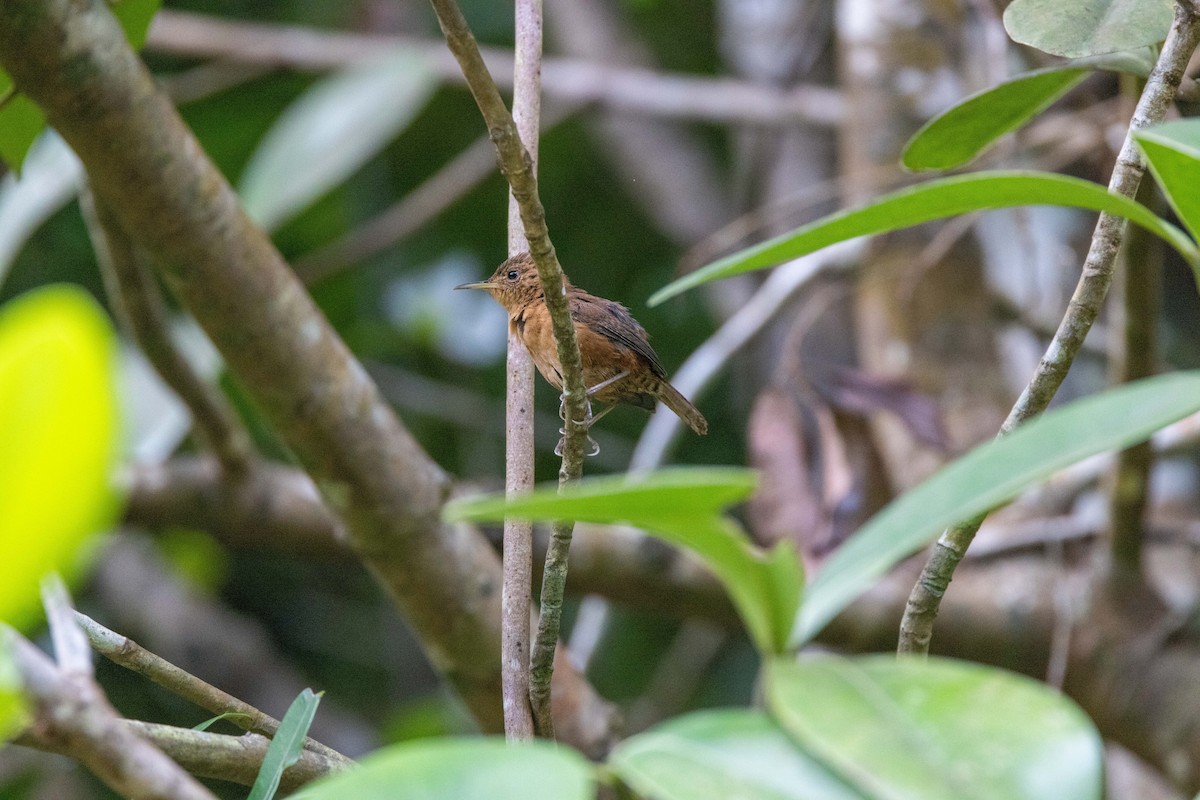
<point x="988" y="477"/>
<point x="963" y="131"/>
<point x="286" y="745"/>
<point x="937" y="199"/>
<point x="1173" y="152"/>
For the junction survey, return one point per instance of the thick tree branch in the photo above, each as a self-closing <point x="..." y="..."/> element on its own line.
<point x="143" y="163"/>
<point x="916" y="628"/>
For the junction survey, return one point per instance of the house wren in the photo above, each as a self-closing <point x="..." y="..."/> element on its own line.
<point x="619" y="366"/>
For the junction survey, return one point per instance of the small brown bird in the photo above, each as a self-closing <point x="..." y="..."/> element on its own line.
<point x="619" y="366"/>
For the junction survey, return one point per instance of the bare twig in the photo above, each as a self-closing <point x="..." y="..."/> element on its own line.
<point x="125" y="652"/>
<point x="517" y="591"/>
<point x="916" y="627"/>
<point x="643" y="91"/>
<point x="213" y="755"/>
<point x="72" y="714"/>
<point x="133" y="290"/>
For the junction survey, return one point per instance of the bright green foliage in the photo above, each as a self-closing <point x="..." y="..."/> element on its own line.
<point x="990" y="476"/>
<point x="1078" y="28"/>
<point x="461" y="769"/>
<point x="58" y="438"/>
<point x="21" y="120"/>
<point x="1173" y="151"/>
<point x="936" y="729"/>
<point x="330" y="132"/>
<point x="963" y="131"/>
<point x="286" y="745"/>
<point x="684" y="507"/>
<point x="716" y="755"/>
<point x="938" y="199"/>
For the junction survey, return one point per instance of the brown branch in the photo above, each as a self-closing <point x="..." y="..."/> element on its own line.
<point x="72" y="714"/>
<point x="517" y="592"/>
<point x="125" y="652"/>
<point x="916" y="628"/>
<point x="571" y="81"/>
<point x="213" y="755"/>
<point x="133" y="290"/>
<point x="142" y="162"/>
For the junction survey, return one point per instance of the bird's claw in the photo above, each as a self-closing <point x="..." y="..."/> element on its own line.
<point x="593" y="447"/>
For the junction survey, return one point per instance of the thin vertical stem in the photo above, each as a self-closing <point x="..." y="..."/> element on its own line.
<point x="517" y="590"/>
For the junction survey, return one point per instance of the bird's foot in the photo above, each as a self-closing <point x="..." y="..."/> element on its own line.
<point x="593" y="447"/>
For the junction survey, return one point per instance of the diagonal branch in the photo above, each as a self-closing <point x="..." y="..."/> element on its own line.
<point x="916" y="628"/>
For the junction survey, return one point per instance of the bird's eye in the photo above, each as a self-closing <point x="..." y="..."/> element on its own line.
<point x="512" y="274"/>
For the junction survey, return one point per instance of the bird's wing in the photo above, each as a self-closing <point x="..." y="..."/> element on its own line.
<point x="614" y="321"/>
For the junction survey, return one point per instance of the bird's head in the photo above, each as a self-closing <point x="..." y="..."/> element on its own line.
<point x="514" y="284"/>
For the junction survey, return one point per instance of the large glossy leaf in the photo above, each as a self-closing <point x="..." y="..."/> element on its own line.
<point x="909" y="729"/>
<point x="1173" y="152"/>
<point x="685" y="507"/>
<point x="1077" y="28"/>
<point x="49" y="179"/>
<point x="990" y="476"/>
<point x="937" y="199"/>
<point x="58" y="438"/>
<point x="286" y="745"/>
<point x="331" y="131"/>
<point x="461" y="769"/>
<point x="961" y="132"/>
<point x="717" y="755"/>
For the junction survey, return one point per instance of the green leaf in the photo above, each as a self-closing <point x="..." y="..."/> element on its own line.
<point x="937" y="729"/>
<point x="1173" y="152"/>
<point x="20" y="123"/>
<point x="14" y="708"/>
<point x="937" y="199"/>
<point x="988" y="477"/>
<point x="286" y="745"/>
<point x="963" y="131"/>
<point x="1077" y="28"/>
<point x="135" y="17"/>
<point x="208" y="723"/>
<point x="461" y="769"/>
<point x="717" y="755"/>
<point x="330" y="132"/>
<point x="58" y="426"/>
<point x="684" y="507"/>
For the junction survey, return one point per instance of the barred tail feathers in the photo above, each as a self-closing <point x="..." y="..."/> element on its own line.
<point x="682" y="407"/>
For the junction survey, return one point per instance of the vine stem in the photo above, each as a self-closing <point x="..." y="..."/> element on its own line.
<point x="916" y="627"/>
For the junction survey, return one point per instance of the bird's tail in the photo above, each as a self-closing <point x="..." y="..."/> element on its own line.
<point x="682" y="407"/>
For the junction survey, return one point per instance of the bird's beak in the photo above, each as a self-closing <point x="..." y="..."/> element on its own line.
<point x="478" y="285"/>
